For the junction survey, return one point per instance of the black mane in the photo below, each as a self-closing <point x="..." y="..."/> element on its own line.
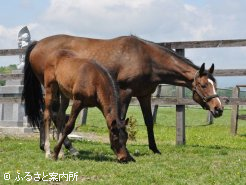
<point x="167" y="49"/>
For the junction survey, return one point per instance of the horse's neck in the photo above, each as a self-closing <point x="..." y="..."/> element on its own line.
<point x="109" y="100"/>
<point x="173" y="70"/>
<point x="109" y="108"/>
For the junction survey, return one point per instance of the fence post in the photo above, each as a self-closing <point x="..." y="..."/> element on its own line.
<point x="234" y="112"/>
<point x="180" y="112"/>
<point x="155" y="109"/>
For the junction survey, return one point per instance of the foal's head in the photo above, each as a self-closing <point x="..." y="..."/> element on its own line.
<point x="204" y="92"/>
<point x="118" y="139"/>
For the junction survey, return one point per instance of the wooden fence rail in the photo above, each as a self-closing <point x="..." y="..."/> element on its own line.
<point x="172" y="45"/>
<point x="11" y="52"/>
<point x="161" y="101"/>
<point x="179" y="101"/>
<point x="11" y="76"/>
<point x="217" y="72"/>
<point x="204" y="44"/>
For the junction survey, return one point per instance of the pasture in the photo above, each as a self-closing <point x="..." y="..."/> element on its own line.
<point x="211" y="155"/>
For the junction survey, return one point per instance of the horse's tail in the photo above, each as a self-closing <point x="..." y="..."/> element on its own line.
<point x="32" y="91"/>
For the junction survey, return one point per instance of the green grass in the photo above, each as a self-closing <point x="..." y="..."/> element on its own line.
<point x="211" y="155"/>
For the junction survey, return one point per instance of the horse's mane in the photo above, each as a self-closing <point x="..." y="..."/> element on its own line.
<point x="184" y="59"/>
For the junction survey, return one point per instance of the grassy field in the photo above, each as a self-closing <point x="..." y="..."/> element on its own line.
<point x="211" y="155"/>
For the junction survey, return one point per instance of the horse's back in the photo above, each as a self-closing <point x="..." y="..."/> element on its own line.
<point x="84" y="47"/>
<point x="124" y="57"/>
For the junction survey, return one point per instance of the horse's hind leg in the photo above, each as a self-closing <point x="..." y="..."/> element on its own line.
<point x="145" y="103"/>
<point x="41" y="134"/>
<point x="76" y="108"/>
<point x="49" y="90"/>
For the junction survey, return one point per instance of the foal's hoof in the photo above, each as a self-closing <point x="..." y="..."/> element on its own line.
<point x="55" y="157"/>
<point x="131" y="159"/>
<point x="61" y="155"/>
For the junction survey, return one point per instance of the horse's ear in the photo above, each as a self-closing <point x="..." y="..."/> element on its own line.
<point x="211" y="69"/>
<point x="202" y="69"/>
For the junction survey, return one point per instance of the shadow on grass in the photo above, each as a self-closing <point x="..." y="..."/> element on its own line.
<point x="103" y="154"/>
<point x="138" y="150"/>
<point x="92" y="151"/>
<point x="216" y="147"/>
<point x="242" y="135"/>
<point x="91" y="155"/>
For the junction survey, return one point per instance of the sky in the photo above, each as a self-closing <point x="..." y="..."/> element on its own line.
<point x="155" y="20"/>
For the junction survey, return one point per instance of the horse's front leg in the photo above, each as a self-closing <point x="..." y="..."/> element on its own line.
<point x="76" y="108"/>
<point x="125" y="98"/>
<point x="145" y="103"/>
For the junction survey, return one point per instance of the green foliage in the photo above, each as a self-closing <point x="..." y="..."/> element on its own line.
<point x="132" y="128"/>
<point x="6" y="70"/>
<point x="225" y="92"/>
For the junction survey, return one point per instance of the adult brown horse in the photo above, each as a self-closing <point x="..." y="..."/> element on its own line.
<point x="138" y="66"/>
<point x="85" y="82"/>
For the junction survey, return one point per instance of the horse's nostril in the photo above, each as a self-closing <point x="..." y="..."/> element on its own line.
<point x="218" y="110"/>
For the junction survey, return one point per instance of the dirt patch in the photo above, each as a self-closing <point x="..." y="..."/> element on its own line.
<point x="89" y="137"/>
<point x="74" y="135"/>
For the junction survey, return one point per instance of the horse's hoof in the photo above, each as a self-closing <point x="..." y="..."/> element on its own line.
<point x="48" y="156"/>
<point x="155" y="151"/>
<point x="41" y="147"/>
<point x="74" y="152"/>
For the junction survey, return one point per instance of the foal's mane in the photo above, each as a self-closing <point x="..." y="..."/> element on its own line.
<point x="112" y="83"/>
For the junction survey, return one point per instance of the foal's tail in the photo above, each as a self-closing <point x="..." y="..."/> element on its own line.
<point x="32" y="91"/>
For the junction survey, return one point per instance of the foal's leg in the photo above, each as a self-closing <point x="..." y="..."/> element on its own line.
<point x="67" y="143"/>
<point x="145" y="103"/>
<point x="61" y="121"/>
<point x="76" y="108"/>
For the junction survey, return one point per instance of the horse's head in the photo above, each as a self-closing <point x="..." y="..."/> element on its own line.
<point x="204" y="92"/>
<point x="118" y="139"/>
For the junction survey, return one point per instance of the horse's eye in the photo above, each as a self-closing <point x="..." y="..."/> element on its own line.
<point x="204" y="86"/>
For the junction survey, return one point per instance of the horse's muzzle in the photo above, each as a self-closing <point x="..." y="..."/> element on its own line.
<point x="217" y="112"/>
<point x="127" y="159"/>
